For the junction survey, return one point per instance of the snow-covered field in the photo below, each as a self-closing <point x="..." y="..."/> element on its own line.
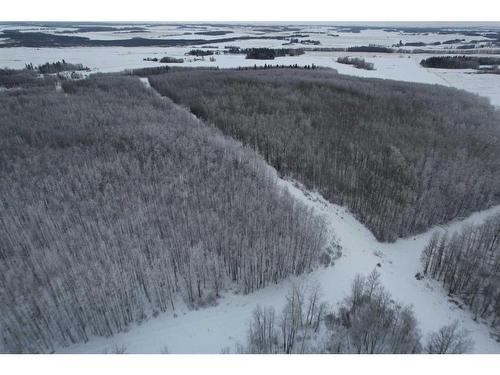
<point x="212" y="329"/>
<point x="328" y="35"/>
<point x="401" y="67"/>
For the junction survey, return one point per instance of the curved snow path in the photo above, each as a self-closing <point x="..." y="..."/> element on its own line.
<point x="211" y="329"/>
<point x="399" y="261"/>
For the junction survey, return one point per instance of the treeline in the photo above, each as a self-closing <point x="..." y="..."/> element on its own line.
<point x="214" y="33"/>
<point x="114" y="202"/>
<point x="146" y="72"/>
<point x="356" y="62"/>
<point x="94" y="29"/>
<point x="451" y="41"/>
<point x="467" y="263"/>
<point x="368" y="321"/>
<point x="450" y="62"/>
<point x="200" y="52"/>
<point x="458" y="62"/>
<point x="155" y="70"/>
<point x="296" y="40"/>
<point x="277" y="66"/>
<point x="56" y="67"/>
<point x="42" y="39"/>
<point x="427" y="51"/>
<point x="165" y="59"/>
<point x="370" y="48"/>
<point x="412" y="44"/>
<point x="270" y="53"/>
<point x="168" y="59"/>
<point x="402" y="156"/>
<point x="264" y="53"/>
<point x="489" y="70"/>
<point x="467" y="46"/>
<point x="10" y="78"/>
<point x="422" y="44"/>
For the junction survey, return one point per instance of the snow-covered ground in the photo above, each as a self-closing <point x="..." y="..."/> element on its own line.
<point x="211" y="329"/>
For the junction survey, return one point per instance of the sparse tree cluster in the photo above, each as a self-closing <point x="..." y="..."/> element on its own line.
<point x="449" y="339"/>
<point x="402" y="156"/>
<point x="165" y="59"/>
<point x="57" y="67"/>
<point x="200" y="52"/>
<point x="113" y="201"/>
<point x="291" y="331"/>
<point x="357" y="62"/>
<point x="282" y="66"/>
<point x="264" y="53"/>
<point x="368" y="321"/>
<point x="467" y="263"/>
<point x="296" y="40"/>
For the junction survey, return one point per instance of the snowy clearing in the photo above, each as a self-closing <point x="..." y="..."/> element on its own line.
<point x="212" y="329"/>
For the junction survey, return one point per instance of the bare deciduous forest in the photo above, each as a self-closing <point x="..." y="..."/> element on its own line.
<point x="114" y="202"/>
<point x="468" y="265"/>
<point x="402" y="156"/>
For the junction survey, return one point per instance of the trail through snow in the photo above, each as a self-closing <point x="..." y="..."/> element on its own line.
<point x="211" y="329"/>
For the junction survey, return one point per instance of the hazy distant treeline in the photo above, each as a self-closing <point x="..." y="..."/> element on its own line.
<point x="113" y="202"/>
<point x="402" y="156"/>
<point x="56" y="67"/>
<point x="43" y="39"/>
<point x="458" y="62"/>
